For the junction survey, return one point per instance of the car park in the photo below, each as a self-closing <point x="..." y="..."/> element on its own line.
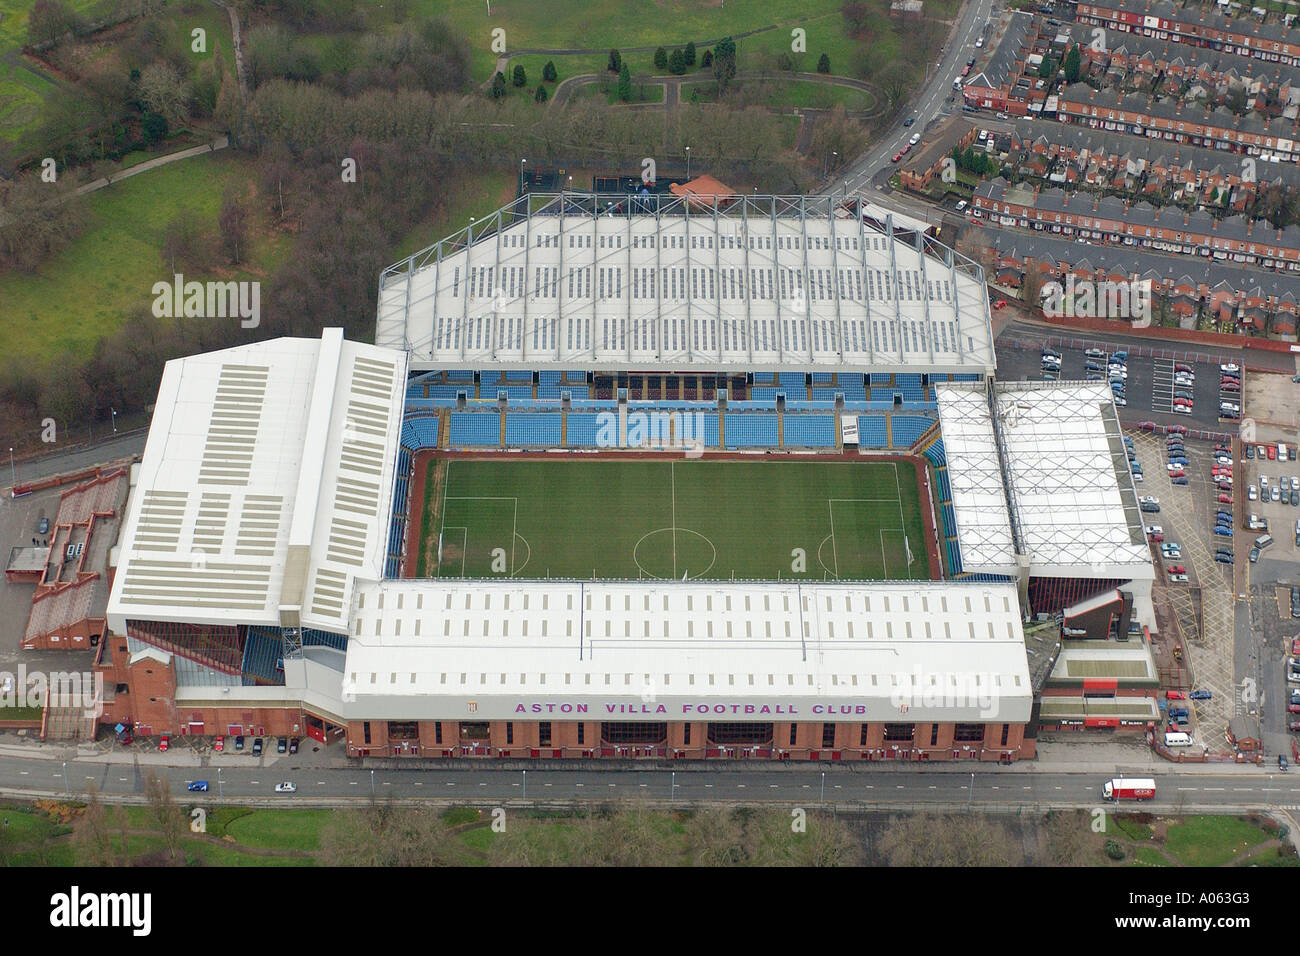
<point x="1146" y="426"/>
<point x="1182" y="402"/>
<point x="1092" y="366"/>
<point x="1223" y="531"/>
<point x="1149" y="507"/>
<point x="1229" y="387"/>
<point x="1183" y="409"/>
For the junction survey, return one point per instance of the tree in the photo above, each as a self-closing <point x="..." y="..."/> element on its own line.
<point x="540" y="95"/>
<point x="923" y="839"/>
<point x="233" y="223"/>
<point x="1045" y="68"/>
<point x="180" y="242"/>
<point x="615" y="62"/>
<point x="824" y="64"/>
<point x="677" y="63"/>
<point x="724" y="63"/>
<point x="549" y="74"/>
<point x="855" y="15"/>
<point x="154" y="126"/>
<point x="624" y="84"/>
<point x="661" y="59"/>
<point x="1073" y="64"/>
<point x="706" y="61"/>
<point x="518" y="77"/>
<point x="164" y="91"/>
<point x="386" y="836"/>
<point x="690" y="53"/>
<point x="715" y="836"/>
<point x="165" y="814"/>
<point x="93" y="838"/>
<point x="498" y="85"/>
<point x="50" y="21"/>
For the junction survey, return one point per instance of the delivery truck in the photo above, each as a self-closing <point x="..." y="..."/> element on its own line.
<point x="1129" y="788"/>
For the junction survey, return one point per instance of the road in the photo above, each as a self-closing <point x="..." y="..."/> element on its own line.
<point x="120" y="446"/>
<point x="1001" y="788"/>
<point x="926" y="105"/>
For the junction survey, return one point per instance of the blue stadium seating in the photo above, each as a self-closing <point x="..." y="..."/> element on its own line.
<point x="415" y="391"/>
<point x="852" y="387"/>
<point x="581" y="429"/>
<point x="790" y="380"/>
<point x="420" y="433"/>
<point x="449" y="391"/>
<point x="883" y="394"/>
<point x="460" y="375"/>
<point x="936" y="454"/>
<point x="906" y="429"/>
<point x="880" y="378"/>
<point x="709" y="422"/>
<point x="807" y="431"/>
<point x="748" y="431"/>
<point x="513" y="392"/>
<point x="475" y="428"/>
<point x="945" y="489"/>
<point x="821" y="378"/>
<point x="764" y="378"/>
<point x="519" y="375"/>
<point x="954" y="556"/>
<point x="549" y="377"/>
<point x="314" y="638"/>
<point x="871" y="431"/>
<point x="533" y="428"/>
<point x="824" y="394"/>
<point x="766" y="394"/>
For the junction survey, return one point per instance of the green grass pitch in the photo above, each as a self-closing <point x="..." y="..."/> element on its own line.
<point x="673" y="519"/>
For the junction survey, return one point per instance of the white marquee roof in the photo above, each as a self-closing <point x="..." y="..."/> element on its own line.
<point x="1075" y="505"/>
<point x="495" y="649"/>
<point x="767" y="282"/>
<point x="266" y="484"/>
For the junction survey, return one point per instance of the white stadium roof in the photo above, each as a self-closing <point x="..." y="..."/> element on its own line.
<point x="658" y="283"/>
<point x="667" y="650"/>
<point x="1074" y="505"/>
<point x="266" y="485"/>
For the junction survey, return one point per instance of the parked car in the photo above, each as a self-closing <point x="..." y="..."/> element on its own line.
<point x="239" y="743"/>
<point x="1254" y="555"/>
<point x="281" y="745"/>
<point x="198" y="786"/>
<point x="1177" y="579"/>
<point x="285" y="787"/>
<point x="219" y="744"/>
<point x="1174" y="695"/>
<point x="1147" y="426"/>
<point x="1175" y="429"/>
<point x="1229" y="387"/>
<point x="1282" y="764"/>
<point x="1183" y="367"/>
<point x="293" y="745"/>
<point x="1251" y="493"/>
<point x="1223" y="557"/>
<point x="44" y="526"/>
<point x="1178" y="479"/>
<point x="257" y="747"/>
<point x="1229" y="368"/>
<point x="1250" y="451"/>
<point x="1181" y="402"/>
<point x="1223" y="531"/>
<point x="1225" y="499"/>
<point x="164" y="742"/>
<point x="1200" y="695"/>
<point x="1178" y="712"/>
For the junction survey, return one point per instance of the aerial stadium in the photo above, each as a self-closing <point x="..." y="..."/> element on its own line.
<point x="643" y="477"/>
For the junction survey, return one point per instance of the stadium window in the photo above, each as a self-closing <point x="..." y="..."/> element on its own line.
<point x="793" y="731"/>
<point x="895" y="733"/>
<point x="828" y="736"/>
<point x="686" y="735"/>
<point x="582" y="733"/>
<point x="1006" y="730"/>
<point x="437" y="732"/>
<point x="544" y="733"/>
<point x="365" y="731"/>
<point x="403" y="730"/>
<point x="477" y="730"/>
<point x="862" y="738"/>
<point x="740" y="733"/>
<point x="637" y="732"/>
<point x="510" y="732"/>
<point x="968" y="733"/>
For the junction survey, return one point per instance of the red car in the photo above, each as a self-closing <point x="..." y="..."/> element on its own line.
<point x="1178" y="569"/>
<point x="1230" y="386"/>
<point x="1225" y="499"/>
<point x="1224" y="484"/>
<point x="1000" y="304"/>
<point x="1186" y="402"/>
<point x="1294" y="725"/>
<point x="1175" y="429"/>
<point x="1272" y="453"/>
<point x="1295" y="647"/>
<point x="1293" y="708"/>
<point x="1157" y="538"/>
<point x="1183" y="367"/>
<point x="897" y="157"/>
<point x="219" y="744"/>
<point x="1175" y="695"/>
<point x="1147" y="426"/>
<point x="1178" y="474"/>
<point x="164" y="742"/>
<point x="1217" y="472"/>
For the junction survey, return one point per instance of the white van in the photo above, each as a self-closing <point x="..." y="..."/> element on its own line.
<point x="1177" y="739"/>
<point x="1263" y="541"/>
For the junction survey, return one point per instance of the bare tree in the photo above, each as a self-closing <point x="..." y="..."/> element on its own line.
<point x="715" y="836"/>
<point x="945" y="840"/>
<point x="94" y="842"/>
<point x="164" y="91"/>
<point x="167" y="816"/>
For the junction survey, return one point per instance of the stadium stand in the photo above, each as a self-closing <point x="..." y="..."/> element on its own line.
<point x="475" y="428"/>
<point x="883" y="394"/>
<point x="910" y="386"/>
<point x="852" y="387"/>
<point x="263" y="651"/>
<point x="533" y="428"/>
<point x="824" y="394"/>
<point x="807" y="431"/>
<point x="449" y="391"/>
<point x="753" y="430"/>
<point x="871" y="431"/>
<point x="581" y="429"/>
<point x="420" y="433"/>
<point x="821" y="378"/>
<point x="513" y="392"/>
<point x="791" y="380"/>
<point x="906" y="429"/>
<point x="765" y="394"/>
<point x="880" y="378"/>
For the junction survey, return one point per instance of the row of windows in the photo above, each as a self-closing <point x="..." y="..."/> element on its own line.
<point x="644" y="732"/>
<point x="824" y="335"/>
<point x="728" y="283"/>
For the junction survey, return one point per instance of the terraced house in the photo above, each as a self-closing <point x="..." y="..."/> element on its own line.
<point x="1237" y="297"/>
<point x="1214" y="127"/>
<point x="1136" y="165"/>
<point x="1195" y="25"/>
<point x="1167" y="229"/>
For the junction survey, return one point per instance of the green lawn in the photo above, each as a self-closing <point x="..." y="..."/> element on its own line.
<point x="22" y="96"/>
<point x="280" y="829"/>
<point x="84" y="293"/>
<point x="625" y="24"/>
<point x="475" y="194"/>
<point x="669" y="519"/>
<point x="648" y="92"/>
<point x="1211" y="840"/>
<point x="807" y="94"/>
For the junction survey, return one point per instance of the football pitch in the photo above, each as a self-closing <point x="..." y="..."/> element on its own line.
<point x="677" y="519"/>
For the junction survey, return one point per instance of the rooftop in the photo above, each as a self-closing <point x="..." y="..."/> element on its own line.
<point x="612" y="282"/>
